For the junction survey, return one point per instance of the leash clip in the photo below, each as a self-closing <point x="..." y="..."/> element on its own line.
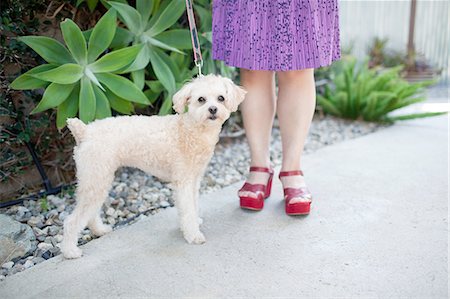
<point x="199" y="65"/>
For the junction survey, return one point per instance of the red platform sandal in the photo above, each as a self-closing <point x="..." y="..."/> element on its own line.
<point x="261" y="191"/>
<point x="296" y="208"/>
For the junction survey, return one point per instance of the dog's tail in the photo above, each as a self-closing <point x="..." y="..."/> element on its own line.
<point x="77" y="127"/>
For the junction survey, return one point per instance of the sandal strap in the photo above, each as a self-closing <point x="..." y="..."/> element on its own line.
<point x="260" y="169"/>
<point x="253" y="187"/>
<point x="302" y="192"/>
<point x="290" y="173"/>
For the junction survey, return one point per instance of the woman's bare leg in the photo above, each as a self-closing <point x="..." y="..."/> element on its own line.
<point x="295" y="110"/>
<point x="258" y="111"/>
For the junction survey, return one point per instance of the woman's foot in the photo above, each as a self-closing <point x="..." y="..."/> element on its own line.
<point x="256" y="188"/>
<point x="296" y="194"/>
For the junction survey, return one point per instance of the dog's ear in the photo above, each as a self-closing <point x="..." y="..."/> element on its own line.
<point x="181" y="98"/>
<point x="235" y="93"/>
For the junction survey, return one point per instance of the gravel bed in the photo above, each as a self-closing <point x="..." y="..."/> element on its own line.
<point x="136" y="195"/>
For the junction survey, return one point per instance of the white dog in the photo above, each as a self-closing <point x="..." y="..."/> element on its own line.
<point x="174" y="148"/>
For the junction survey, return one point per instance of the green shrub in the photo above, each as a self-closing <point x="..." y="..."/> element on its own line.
<point x="358" y="92"/>
<point x="75" y="79"/>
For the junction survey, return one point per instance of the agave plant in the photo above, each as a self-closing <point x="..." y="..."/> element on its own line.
<point x="76" y="79"/>
<point x="362" y="93"/>
<point x="147" y="25"/>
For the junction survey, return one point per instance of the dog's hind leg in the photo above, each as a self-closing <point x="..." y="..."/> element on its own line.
<point x="97" y="226"/>
<point x="91" y="192"/>
<point x="185" y="202"/>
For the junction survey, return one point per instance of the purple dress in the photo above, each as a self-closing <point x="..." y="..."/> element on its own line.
<point x="277" y="35"/>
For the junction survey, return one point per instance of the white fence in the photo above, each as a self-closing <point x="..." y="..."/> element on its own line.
<point x="361" y="21"/>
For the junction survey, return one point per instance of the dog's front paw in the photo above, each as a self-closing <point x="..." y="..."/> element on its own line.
<point x="195" y="238"/>
<point x="72" y="252"/>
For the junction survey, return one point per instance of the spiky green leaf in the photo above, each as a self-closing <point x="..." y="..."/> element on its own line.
<point x="75" y="40"/>
<point x="53" y="96"/>
<point x="102" y="35"/>
<point x="130" y="16"/>
<point x="122" y="87"/>
<point x="102" y="108"/>
<point x="26" y="81"/>
<point x="86" y="101"/>
<point x="68" y="108"/>
<point x="162" y="70"/>
<point x="65" y="74"/>
<point x="115" y="60"/>
<point x="167" y="18"/>
<point x="48" y="48"/>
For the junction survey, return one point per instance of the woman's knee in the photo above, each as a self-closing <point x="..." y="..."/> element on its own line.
<point x="255" y="77"/>
<point x="295" y="76"/>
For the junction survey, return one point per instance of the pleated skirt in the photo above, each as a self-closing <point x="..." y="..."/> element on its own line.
<point x="277" y="35"/>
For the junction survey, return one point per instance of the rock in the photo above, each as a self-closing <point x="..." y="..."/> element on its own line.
<point x="86" y="237"/>
<point x="44" y="246"/>
<point x="21" y="211"/>
<point x="151" y="197"/>
<point x="37" y="260"/>
<point x="55" y="200"/>
<point x="59" y="238"/>
<point x="51" y="240"/>
<point x="110" y="211"/>
<point x="8" y="265"/>
<point x="35" y="221"/>
<point x="51" y="214"/>
<point x="164" y="204"/>
<point x="134" y="185"/>
<point x="17" y="268"/>
<point x="2" y="277"/>
<point x="28" y="264"/>
<point x="63" y="215"/>
<point x="53" y="230"/>
<point x="16" y="239"/>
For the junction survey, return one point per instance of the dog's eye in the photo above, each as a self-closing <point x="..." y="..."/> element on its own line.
<point x="221" y="99"/>
<point x="201" y="100"/>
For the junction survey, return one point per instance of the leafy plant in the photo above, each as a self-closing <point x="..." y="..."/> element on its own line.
<point x="362" y="93"/>
<point x="147" y="25"/>
<point x="43" y="202"/>
<point x="76" y="80"/>
<point x="380" y="54"/>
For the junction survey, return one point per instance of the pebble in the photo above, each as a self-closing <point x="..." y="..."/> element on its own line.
<point x="28" y="264"/>
<point x="164" y="204"/>
<point x="8" y="265"/>
<point x="44" y="246"/>
<point x="37" y="260"/>
<point x="63" y="215"/>
<point x="110" y="211"/>
<point x="58" y="238"/>
<point x="17" y="268"/>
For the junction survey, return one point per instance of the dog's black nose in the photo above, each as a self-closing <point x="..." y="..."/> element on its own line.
<point x="212" y="109"/>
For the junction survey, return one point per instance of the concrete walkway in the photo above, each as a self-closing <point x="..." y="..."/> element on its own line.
<point x="379" y="229"/>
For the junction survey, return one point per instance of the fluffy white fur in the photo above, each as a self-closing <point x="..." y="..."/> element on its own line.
<point x="174" y="148"/>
